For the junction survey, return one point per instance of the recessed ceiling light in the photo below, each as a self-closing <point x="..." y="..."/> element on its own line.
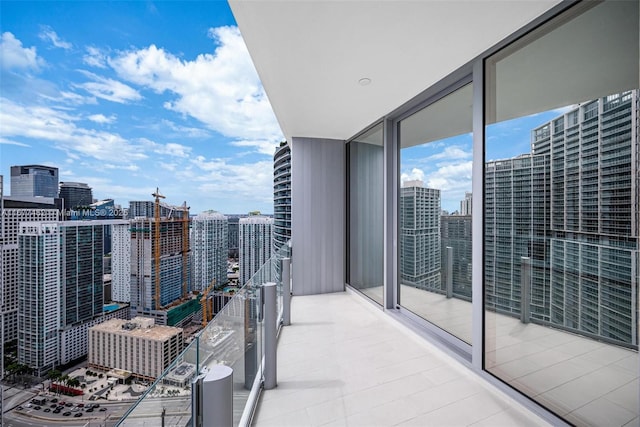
<point x="364" y="81"/>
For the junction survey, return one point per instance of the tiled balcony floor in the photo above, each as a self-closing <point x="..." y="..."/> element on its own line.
<point x="343" y="362"/>
<point x="589" y="383"/>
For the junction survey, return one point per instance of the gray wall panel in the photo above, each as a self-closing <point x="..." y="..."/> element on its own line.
<point x="318" y="215"/>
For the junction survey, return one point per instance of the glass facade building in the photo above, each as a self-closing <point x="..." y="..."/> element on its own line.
<point x="34" y="181"/>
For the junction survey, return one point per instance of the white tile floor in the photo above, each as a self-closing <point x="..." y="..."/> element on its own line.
<point x="344" y="362"/>
<point x="588" y="382"/>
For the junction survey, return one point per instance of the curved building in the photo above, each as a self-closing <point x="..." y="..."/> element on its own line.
<point x="281" y="195"/>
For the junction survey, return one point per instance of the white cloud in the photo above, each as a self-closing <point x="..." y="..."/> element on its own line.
<point x="170" y="149"/>
<point x="219" y="179"/>
<point x="76" y="99"/>
<point x="48" y="34"/>
<point x="109" y="89"/>
<point x="101" y="118"/>
<point x="95" y="57"/>
<point x="58" y="127"/>
<point x="452" y="152"/>
<point x="415" y="175"/>
<point x="263" y="147"/>
<point x="10" y="142"/>
<point x="14" y="56"/>
<point x="451" y="177"/>
<point x="131" y="167"/>
<point x="185" y="130"/>
<point x="221" y="89"/>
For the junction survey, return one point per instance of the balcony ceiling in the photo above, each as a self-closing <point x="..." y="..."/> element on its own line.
<point x="312" y="55"/>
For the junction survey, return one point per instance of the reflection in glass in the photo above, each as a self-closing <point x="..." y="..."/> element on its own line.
<point x="435" y="213"/>
<point x="561" y="217"/>
<point x="365" y="195"/>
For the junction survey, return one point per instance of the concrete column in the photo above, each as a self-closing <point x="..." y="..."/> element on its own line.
<point x="286" y="291"/>
<point x="270" y="335"/>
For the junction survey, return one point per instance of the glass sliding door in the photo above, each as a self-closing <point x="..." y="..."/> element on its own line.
<point x="435" y="213"/>
<point x="365" y="206"/>
<point x="562" y="214"/>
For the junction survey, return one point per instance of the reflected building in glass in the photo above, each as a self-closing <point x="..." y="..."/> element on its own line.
<point x="420" y="259"/>
<point x="568" y="212"/>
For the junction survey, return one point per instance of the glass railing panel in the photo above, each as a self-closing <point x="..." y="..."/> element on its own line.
<point x="234" y="338"/>
<point x="168" y="400"/>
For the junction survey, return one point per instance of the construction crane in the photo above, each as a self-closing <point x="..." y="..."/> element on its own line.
<point x="185" y="247"/>
<point x="207" y="305"/>
<point x="156" y="241"/>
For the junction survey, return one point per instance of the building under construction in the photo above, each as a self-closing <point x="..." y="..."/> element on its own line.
<point x="160" y="276"/>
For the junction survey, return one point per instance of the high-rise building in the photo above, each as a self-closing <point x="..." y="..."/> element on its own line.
<point x="255" y="244"/>
<point x="121" y="263"/>
<point x="60" y="290"/>
<point x="159" y="265"/>
<point x="40" y="298"/>
<point x="209" y="249"/>
<point x="234" y="234"/>
<point x="420" y="231"/>
<point x="75" y="194"/>
<point x="465" y="205"/>
<point x="576" y="207"/>
<point x="9" y="279"/>
<point x="281" y="195"/>
<point x="455" y="233"/>
<point x="34" y="181"/>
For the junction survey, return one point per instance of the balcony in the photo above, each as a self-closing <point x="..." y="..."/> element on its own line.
<point x="342" y="361"/>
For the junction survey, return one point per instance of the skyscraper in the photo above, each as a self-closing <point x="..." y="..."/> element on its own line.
<point x="281" y="195"/>
<point x="75" y="194"/>
<point x="121" y="263"/>
<point x="160" y="278"/>
<point x="255" y="244"/>
<point x="34" y="181"/>
<point x="60" y="290"/>
<point x="209" y="249"/>
<point x="465" y="205"/>
<point x="576" y="220"/>
<point x="420" y="212"/>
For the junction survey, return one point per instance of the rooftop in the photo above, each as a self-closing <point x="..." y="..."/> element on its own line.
<point x="157" y="332"/>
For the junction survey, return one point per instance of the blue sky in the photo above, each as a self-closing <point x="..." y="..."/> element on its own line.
<point x="130" y="96"/>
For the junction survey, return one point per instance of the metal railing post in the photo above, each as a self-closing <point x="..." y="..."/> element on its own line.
<point x="449" y="261"/>
<point x="525" y="289"/>
<point x="286" y="291"/>
<point x="270" y="333"/>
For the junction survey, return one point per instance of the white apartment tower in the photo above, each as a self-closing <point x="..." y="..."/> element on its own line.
<point x="39" y="295"/>
<point x="11" y="219"/>
<point x="209" y="244"/>
<point x="121" y="263"/>
<point x="255" y="244"/>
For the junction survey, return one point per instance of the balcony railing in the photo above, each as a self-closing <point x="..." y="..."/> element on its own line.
<point x="233" y="338"/>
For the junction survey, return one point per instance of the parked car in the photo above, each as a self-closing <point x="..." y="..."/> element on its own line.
<point x="66" y="414"/>
<point x="20" y="408"/>
<point x="80" y="405"/>
<point x="57" y="411"/>
<point x="78" y="414"/>
<point x="103" y="409"/>
<point x="47" y="409"/>
<point x="37" y="408"/>
<point x="54" y="400"/>
<point x="89" y="410"/>
<point x="68" y="404"/>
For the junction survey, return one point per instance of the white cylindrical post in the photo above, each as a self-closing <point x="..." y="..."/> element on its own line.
<point x="270" y="334"/>
<point x="217" y="396"/>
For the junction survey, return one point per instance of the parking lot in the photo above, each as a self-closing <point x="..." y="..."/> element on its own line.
<point x="57" y="408"/>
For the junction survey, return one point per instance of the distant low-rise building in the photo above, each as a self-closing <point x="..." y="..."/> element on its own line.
<point x="137" y="346"/>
